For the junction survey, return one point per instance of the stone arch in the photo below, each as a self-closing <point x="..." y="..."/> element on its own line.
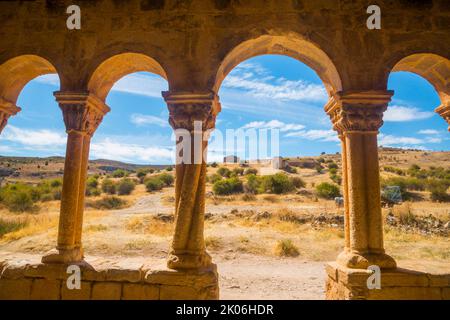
<point x="432" y="67"/>
<point x="18" y="71"/>
<point x="118" y="66"/>
<point x="295" y="47"/>
<point x="436" y="70"/>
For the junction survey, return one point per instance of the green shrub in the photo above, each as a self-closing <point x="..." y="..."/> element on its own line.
<point x="119" y="173"/>
<point x="107" y="203"/>
<point x="228" y="186"/>
<point x="286" y="248"/>
<point x="92" y="182"/>
<point x="238" y="171"/>
<point x="109" y="186"/>
<point x="7" y="226"/>
<point x="278" y="183"/>
<point x="56" y="183"/>
<point x="125" y="186"/>
<point x="169" y="169"/>
<point x="213" y="178"/>
<point x="214" y="164"/>
<point x="56" y="193"/>
<point x="336" y="179"/>
<point x="93" y="192"/>
<point x="153" y="184"/>
<point x="253" y="184"/>
<point x="297" y="182"/>
<point x="327" y="190"/>
<point x="224" y="172"/>
<point x="19" y="201"/>
<point x="318" y="168"/>
<point x="332" y="165"/>
<point x="251" y="171"/>
<point x="166" y="178"/>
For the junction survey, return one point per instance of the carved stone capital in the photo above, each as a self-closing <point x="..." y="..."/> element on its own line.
<point x="7" y="109"/>
<point x="444" y="111"/>
<point x="185" y="108"/>
<point x="82" y="112"/>
<point x="358" y="110"/>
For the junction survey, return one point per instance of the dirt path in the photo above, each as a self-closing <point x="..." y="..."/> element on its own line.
<point x="256" y="277"/>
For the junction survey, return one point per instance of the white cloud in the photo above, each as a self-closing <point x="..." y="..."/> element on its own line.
<point x="33" y="138"/>
<point x="256" y="80"/>
<point x="320" y="135"/>
<point x="273" y="124"/>
<point x="141" y="84"/>
<point x="391" y="140"/>
<point x="402" y="113"/>
<point x="429" y="132"/>
<point x="108" y="149"/>
<point x="142" y="119"/>
<point x="50" y="79"/>
<point x="136" y="83"/>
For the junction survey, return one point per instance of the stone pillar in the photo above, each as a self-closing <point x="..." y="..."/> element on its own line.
<point x="82" y="114"/>
<point x="444" y="111"/>
<point x="7" y="109"/>
<point x="192" y="116"/>
<point x="357" y="116"/>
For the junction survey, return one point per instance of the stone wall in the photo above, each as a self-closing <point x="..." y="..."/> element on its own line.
<point x="397" y="284"/>
<point x="103" y="279"/>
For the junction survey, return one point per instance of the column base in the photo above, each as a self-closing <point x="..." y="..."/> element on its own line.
<point x="183" y="260"/>
<point x="356" y="260"/>
<point x="63" y="256"/>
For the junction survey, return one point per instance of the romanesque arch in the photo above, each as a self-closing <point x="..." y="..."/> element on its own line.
<point x="115" y="67"/>
<point x="14" y="75"/>
<point x="289" y="45"/>
<point x="435" y="69"/>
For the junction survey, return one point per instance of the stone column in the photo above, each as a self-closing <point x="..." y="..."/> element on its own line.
<point x="7" y="109"/>
<point x="192" y="116"/>
<point x="444" y="110"/>
<point x="82" y="114"/>
<point x="357" y="116"/>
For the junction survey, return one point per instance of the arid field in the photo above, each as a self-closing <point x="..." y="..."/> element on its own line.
<point x="269" y="231"/>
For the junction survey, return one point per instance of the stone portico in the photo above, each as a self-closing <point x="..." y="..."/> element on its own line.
<point x="194" y="45"/>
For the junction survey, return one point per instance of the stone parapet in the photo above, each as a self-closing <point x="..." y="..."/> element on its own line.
<point x="396" y="284"/>
<point x="103" y="279"/>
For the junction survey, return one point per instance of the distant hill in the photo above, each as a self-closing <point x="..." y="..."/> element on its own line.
<point x="33" y="168"/>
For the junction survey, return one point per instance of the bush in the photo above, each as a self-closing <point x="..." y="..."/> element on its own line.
<point x="92" y="182"/>
<point x="167" y="179"/>
<point x="253" y="184"/>
<point x="251" y="171"/>
<point x="169" y="169"/>
<point x="214" y="164"/>
<point x="336" y="179"/>
<point x="297" y="182"/>
<point x="93" y="192"/>
<point x="56" y="183"/>
<point x="125" y="187"/>
<point x="327" y="190"/>
<point x="278" y="183"/>
<point x="224" y="172"/>
<point x="109" y="186"/>
<point x="119" y="173"/>
<point x="7" y="226"/>
<point x="286" y="248"/>
<point x="318" y="168"/>
<point x="107" y="203"/>
<point x="332" y="165"/>
<point x="153" y="184"/>
<point x="141" y="174"/>
<point x="19" y="201"/>
<point x="213" y="178"/>
<point x="238" y="171"/>
<point x="228" y="186"/>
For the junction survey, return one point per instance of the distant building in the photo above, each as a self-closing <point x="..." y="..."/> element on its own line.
<point x="231" y="159"/>
<point x="278" y="163"/>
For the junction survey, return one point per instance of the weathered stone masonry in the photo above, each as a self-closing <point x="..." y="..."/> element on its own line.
<point x="194" y="44"/>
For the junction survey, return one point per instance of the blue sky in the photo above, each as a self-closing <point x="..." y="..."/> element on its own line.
<point x="266" y="92"/>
